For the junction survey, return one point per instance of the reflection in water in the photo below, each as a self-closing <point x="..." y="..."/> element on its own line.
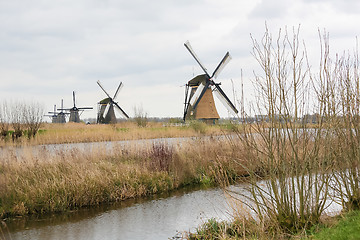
<point x="158" y="218"/>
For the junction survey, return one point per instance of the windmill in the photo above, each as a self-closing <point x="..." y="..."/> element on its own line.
<point x="74" y="111"/>
<point x="199" y="103"/>
<point x="53" y="116"/>
<point x="58" y="117"/>
<point x="106" y="112"/>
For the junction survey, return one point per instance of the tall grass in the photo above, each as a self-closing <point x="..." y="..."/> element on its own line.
<point x="345" y="227"/>
<point x="48" y="181"/>
<point x="79" y="132"/>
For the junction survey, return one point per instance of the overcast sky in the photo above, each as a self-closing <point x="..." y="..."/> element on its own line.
<point x="50" y="48"/>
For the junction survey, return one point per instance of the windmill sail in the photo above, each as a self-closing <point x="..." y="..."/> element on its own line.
<point x="118" y="90"/>
<point x="197" y="93"/>
<point x="206" y="87"/>
<point x="188" y="46"/>
<point x="219" y="93"/>
<point x="74" y="111"/>
<point x="106" y="113"/>
<point x="121" y="111"/>
<point x="201" y="104"/>
<point x="221" y="65"/>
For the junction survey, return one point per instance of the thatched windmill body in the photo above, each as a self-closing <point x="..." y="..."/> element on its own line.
<point x="106" y="113"/>
<point x="199" y="100"/>
<point x="75" y="111"/>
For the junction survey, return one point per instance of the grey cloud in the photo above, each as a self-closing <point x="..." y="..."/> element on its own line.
<point x="66" y="45"/>
<point x="270" y="9"/>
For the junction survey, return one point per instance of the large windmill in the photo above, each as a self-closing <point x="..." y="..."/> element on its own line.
<point x="106" y="107"/>
<point x="58" y="117"/>
<point x="74" y="111"/>
<point x="199" y="103"/>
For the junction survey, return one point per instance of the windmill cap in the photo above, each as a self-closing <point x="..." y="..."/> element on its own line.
<point x="105" y="101"/>
<point x="196" y="81"/>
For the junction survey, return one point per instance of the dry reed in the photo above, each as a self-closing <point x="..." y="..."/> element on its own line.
<point x="79" y="132"/>
<point x="59" y="180"/>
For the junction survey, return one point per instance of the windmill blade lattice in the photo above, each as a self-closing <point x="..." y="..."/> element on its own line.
<point x="203" y="90"/>
<point x="188" y="46"/>
<point x="98" y="82"/>
<point x="219" y="93"/>
<point x="221" y="65"/>
<point x="118" y="90"/>
<point x="197" y="94"/>
<point x="121" y="111"/>
<point x="106" y="111"/>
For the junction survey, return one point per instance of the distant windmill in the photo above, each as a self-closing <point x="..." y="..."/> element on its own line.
<point x="58" y="117"/>
<point x="74" y="111"/>
<point x="53" y="116"/>
<point x="200" y="104"/>
<point x="106" y="112"/>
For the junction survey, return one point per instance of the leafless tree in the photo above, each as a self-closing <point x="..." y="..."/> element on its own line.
<point x="33" y="118"/>
<point x="20" y="116"/>
<point x="4" y="119"/>
<point x="140" y="116"/>
<point x="295" y="187"/>
<point x="16" y="118"/>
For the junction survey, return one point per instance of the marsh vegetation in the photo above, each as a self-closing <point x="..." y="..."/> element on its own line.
<point x="70" y="179"/>
<point x="50" y="133"/>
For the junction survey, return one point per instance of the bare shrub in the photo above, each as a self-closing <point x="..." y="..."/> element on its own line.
<point x="21" y="117"/>
<point x="33" y="118"/>
<point x="17" y="119"/>
<point x="140" y="117"/>
<point x="4" y="120"/>
<point x="161" y="156"/>
<point x="340" y="91"/>
<point x="288" y="187"/>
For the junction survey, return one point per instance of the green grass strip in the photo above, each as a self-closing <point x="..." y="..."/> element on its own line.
<point x="347" y="228"/>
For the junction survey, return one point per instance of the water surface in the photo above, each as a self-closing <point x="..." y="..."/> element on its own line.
<point x="160" y="218"/>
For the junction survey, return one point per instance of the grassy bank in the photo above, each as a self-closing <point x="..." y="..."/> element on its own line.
<point x="345" y="227"/>
<point x="342" y="227"/>
<point x="48" y="181"/>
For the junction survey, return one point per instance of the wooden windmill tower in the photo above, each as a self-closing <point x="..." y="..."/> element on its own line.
<point x="75" y="111"/>
<point x="199" y="103"/>
<point x="106" y="113"/>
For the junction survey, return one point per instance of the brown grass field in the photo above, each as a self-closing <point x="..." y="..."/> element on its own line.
<point x="39" y="181"/>
<point x="79" y="132"/>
